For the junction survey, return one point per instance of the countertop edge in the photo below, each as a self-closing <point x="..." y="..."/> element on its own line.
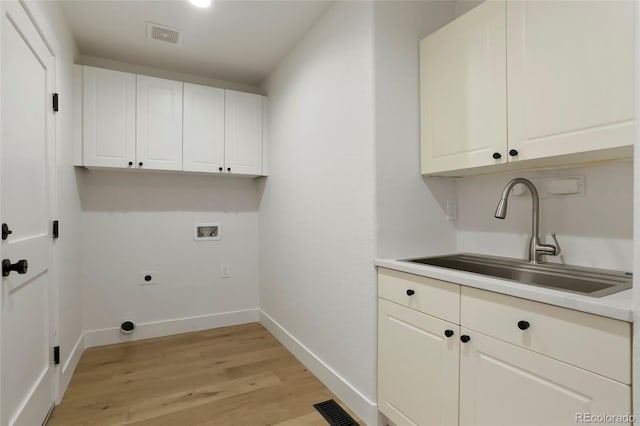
<point x="618" y="306"/>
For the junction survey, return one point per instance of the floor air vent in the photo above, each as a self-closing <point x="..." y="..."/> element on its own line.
<point x="334" y="414"/>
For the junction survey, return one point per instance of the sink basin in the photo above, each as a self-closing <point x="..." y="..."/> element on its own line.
<point x="585" y="281"/>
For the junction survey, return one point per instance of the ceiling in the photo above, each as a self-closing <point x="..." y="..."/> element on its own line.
<point x="235" y="40"/>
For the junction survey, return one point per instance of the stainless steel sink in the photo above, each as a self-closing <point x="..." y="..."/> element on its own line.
<point x="586" y="281"/>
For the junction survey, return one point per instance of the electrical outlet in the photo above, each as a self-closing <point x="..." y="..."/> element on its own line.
<point x="226" y="271"/>
<point x="148" y="278"/>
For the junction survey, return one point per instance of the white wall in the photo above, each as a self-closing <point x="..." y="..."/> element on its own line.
<point x="463" y="6"/>
<point x="317" y="211"/>
<point x="593" y="230"/>
<point x="135" y="222"/>
<point x="152" y="214"/>
<point x="67" y="248"/>
<point x="636" y="223"/>
<point x="411" y="217"/>
<point x="96" y="61"/>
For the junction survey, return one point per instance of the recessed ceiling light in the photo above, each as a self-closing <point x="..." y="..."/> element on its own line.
<point x="200" y="3"/>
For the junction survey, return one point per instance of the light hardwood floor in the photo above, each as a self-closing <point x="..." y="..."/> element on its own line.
<point x="232" y="376"/>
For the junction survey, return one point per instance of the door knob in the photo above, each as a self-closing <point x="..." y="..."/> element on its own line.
<point x="448" y="333"/>
<point x="523" y="325"/>
<point x="410" y="292"/>
<point x="464" y="338"/>
<point x="21" y="267"/>
<point x="497" y="156"/>
<point x="6" y="231"/>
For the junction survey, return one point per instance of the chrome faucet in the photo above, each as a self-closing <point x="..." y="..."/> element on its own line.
<point x="536" y="249"/>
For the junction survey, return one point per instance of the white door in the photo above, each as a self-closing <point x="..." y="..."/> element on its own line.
<point x="109" y="118"/>
<point x="504" y="385"/>
<point x="463" y="92"/>
<point x="243" y="133"/>
<point x="26" y="167"/>
<point x="570" y="76"/>
<point x="203" y="131"/>
<point x="159" y="124"/>
<point x="417" y="367"/>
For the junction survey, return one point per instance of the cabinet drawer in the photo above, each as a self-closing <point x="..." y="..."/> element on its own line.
<point x="598" y="344"/>
<point x="438" y="298"/>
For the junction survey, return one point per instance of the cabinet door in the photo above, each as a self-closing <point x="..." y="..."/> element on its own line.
<point x="243" y="133"/>
<point x="159" y="124"/>
<point x="463" y="92"/>
<point x="203" y="132"/>
<point x="570" y="79"/>
<point x="109" y="118"/>
<point x="417" y="367"/>
<point x="503" y="384"/>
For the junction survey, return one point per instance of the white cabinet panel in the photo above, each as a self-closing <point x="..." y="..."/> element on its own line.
<point x="598" y="344"/>
<point x="159" y="124"/>
<point x="434" y="297"/>
<point x="502" y="384"/>
<point x="243" y="133"/>
<point x="203" y="132"/>
<point x="463" y="92"/>
<point x="109" y="118"/>
<point x="417" y="367"/>
<point x="570" y="76"/>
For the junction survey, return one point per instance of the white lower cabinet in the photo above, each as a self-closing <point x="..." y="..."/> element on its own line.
<point x="504" y="364"/>
<point x="504" y="385"/>
<point x="418" y="367"/>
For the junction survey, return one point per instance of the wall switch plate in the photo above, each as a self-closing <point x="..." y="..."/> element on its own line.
<point x="206" y="232"/>
<point x="225" y="271"/>
<point x="452" y="211"/>
<point x="148" y="278"/>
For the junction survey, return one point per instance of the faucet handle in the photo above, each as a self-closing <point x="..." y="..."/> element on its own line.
<point x="558" y="250"/>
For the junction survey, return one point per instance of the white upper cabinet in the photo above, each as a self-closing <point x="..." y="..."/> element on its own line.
<point x="109" y="118"/>
<point x="243" y="133"/>
<point x="463" y="91"/>
<point x="203" y="131"/>
<point x="570" y="76"/>
<point x="140" y="122"/>
<point x="528" y="84"/>
<point x="159" y="124"/>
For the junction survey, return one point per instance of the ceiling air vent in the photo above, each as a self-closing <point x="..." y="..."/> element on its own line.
<point x="162" y="33"/>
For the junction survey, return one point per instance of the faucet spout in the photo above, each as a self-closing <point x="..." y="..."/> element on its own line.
<point x="536" y="249"/>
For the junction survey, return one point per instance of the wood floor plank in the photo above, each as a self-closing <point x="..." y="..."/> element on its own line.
<point x="231" y="376"/>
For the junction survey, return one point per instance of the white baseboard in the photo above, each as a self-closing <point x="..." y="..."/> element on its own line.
<point x="108" y="336"/>
<point x="70" y="365"/>
<point x="365" y="409"/>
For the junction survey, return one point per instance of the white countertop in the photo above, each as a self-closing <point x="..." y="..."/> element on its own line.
<point x="618" y="305"/>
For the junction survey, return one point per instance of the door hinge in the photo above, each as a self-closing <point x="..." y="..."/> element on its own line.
<point x="56" y="229"/>
<point x="56" y="355"/>
<point x="55" y="102"/>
